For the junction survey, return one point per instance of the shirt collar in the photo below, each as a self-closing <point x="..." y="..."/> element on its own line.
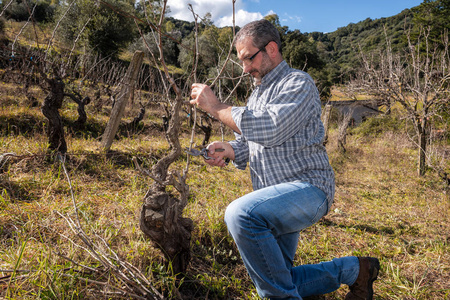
<point x="274" y="73"/>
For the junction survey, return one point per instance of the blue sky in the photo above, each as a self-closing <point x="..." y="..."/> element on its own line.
<point x="305" y="15"/>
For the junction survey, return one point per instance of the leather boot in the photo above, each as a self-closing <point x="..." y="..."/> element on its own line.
<point x="368" y="272"/>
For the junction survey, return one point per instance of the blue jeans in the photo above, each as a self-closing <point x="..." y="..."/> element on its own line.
<point x="265" y="225"/>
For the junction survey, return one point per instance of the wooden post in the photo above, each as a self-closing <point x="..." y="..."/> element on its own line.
<point x="326" y="120"/>
<point x="126" y="92"/>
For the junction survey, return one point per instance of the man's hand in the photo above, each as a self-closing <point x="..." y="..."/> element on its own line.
<point x="204" y="97"/>
<point x="219" y="157"/>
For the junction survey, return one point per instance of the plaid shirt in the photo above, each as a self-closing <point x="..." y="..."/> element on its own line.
<point x="282" y="132"/>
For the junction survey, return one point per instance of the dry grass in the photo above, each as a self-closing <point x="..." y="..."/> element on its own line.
<point x="338" y="94"/>
<point x="381" y="208"/>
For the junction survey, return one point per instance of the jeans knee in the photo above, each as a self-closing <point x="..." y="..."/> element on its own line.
<point x="234" y="217"/>
<point x="229" y="215"/>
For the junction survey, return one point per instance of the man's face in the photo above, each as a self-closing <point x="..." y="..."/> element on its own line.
<point x="255" y="62"/>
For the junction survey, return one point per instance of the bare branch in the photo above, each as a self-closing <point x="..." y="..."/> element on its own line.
<point x="56" y="27"/>
<point x="122" y="270"/>
<point x="6" y="7"/>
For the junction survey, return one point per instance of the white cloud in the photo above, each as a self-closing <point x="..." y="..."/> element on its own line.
<point x="296" y="19"/>
<point x="179" y="9"/>
<point x="242" y="17"/>
<point x="221" y="11"/>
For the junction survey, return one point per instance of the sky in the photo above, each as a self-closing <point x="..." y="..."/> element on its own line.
<point x="304" y="15"/>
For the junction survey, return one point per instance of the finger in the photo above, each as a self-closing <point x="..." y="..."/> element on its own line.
<point x="219" y="161"/>
<point x="211" y="162"/>
<point x="213" y="146"/>
<point x="210" y="148"/>
<point x="222" y="163"/>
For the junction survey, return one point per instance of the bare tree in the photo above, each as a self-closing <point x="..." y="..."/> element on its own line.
<point x="418" y="78"/>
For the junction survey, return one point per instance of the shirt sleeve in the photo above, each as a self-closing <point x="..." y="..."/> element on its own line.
<point x="241" y="152"/>
<point x="289" y="107"/>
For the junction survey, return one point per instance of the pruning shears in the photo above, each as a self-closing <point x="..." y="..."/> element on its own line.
<point x="204" y="152"/>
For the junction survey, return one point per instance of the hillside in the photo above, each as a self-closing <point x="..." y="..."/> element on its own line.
<point x="341" y="48"/>
<point x="330" y="58"/>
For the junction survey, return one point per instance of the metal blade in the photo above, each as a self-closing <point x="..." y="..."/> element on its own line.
<point x="193" y="152"/>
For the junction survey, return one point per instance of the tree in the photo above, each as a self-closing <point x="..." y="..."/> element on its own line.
<point x="300" y="52"/>
<point x="111" y="30"/>
<point x="207" y="49"/>
<point x="150" y="10"/>
<point x="162" y="212"/>
<point x="148" y="44"/>
<point x="105" y="27"/>
<point x="42" y="10"/>
<point x="418" y="78"/>
<point x="433" y="14"/>
<point x="275" y="20"/>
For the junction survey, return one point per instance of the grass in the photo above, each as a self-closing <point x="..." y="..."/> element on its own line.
<point x="338" y="94"/>
<point x="382" y="208"/>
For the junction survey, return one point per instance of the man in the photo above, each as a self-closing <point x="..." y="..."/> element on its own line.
<point x="279" y="133"/>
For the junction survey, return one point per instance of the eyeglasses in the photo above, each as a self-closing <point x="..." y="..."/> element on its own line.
<point x="249" y="60"/>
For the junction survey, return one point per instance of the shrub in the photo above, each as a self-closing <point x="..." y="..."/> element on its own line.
<point x="375" y="126"/>
<point x="20" y="10"/>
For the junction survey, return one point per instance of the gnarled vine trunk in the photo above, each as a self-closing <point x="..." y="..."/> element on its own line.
<point x="162" y="213"/>
<point x="161" y="219"/>
<point x="50" y="109"/>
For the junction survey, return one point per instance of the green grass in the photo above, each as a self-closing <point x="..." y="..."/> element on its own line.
<point x="382" y="208"/>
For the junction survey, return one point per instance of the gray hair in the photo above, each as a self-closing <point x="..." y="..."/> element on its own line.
<point x="261" y="32"/>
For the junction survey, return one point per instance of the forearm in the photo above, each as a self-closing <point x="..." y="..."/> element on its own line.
<point x="222" y="112"/>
